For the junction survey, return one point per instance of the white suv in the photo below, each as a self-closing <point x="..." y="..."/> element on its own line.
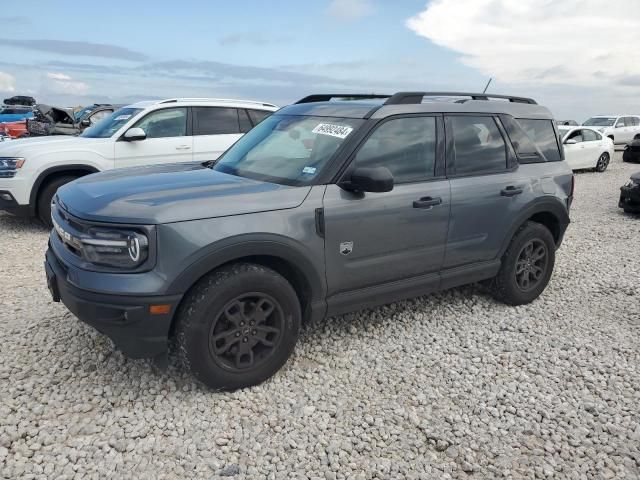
<point x="622" y="129"/>
<point x="145" y="133"/>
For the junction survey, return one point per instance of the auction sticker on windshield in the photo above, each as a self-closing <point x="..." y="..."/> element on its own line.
<point x="339" y="131"/>
<point x="122" y="117"/>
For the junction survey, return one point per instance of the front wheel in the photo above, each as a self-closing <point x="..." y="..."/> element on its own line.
<point x="238" y="326"/>
<point x="526" y="267"/>
<point x="603" y="162"/>
<point x="45" y="198"/>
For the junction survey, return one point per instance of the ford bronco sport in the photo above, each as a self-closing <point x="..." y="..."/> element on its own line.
<point x="325" y="207"/>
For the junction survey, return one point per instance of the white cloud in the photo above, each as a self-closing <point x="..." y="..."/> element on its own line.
<point x="63" y="83"/>
<point x="572" y="42"/>
<point x="349" y="9"/>
<point x="7" y="82"/>
<point x="58" y="76"/>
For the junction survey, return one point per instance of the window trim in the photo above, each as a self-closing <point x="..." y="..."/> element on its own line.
<point x="439" y="166"/>
<point x="511" y="163"/>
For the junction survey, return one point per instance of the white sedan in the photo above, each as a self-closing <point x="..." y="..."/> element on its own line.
<point x="585" y="147"/>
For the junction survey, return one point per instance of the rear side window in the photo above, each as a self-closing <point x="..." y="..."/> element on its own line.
<point x="245" y="123"/>
<point x="589" y="136"/>
<point x="406" y="146"/>
<point x="478" y="144"/>
<point x="215" y="121"/>
<point x="258" y="115"/>
<point x="542" y="133"/>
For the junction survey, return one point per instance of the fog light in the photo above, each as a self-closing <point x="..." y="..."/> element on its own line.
<point x="6" y="196"/>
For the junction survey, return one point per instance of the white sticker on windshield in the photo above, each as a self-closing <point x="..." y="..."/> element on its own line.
<point x="309" y="170"/>
<point x="122" y="117"/>
<point x="339" y="131"/>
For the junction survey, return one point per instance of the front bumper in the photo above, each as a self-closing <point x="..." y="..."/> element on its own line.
<point x="125" y="319"/>
<point x="9" y="204"/>
<point x="630" y="198"/>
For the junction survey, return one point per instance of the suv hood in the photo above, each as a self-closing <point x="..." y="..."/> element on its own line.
<point x="36" y="145"/>
<point x="172" y="193"/>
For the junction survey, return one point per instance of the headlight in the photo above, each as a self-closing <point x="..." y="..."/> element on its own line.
<point x="9" y="166"/>
<point x="115" y="248"/>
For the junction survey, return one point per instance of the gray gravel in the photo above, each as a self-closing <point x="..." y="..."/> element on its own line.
<point x="451" y="385"/>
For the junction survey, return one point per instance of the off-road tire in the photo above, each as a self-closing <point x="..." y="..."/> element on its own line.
<point x="504" y="286"/>
<point x="207" y="303"/>
<point x="46" y="196"/>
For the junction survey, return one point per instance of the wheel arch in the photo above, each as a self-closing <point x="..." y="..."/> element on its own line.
<point x="549" y="212"/>
<point x="282" y="255"/>
<point x="50" y="173"/>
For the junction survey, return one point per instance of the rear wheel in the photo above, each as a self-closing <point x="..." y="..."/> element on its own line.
<point x="45" y="197"/>
<point x="603" y="162"/>
<point x="526" y="267"/>
<point x="238" y="326"/>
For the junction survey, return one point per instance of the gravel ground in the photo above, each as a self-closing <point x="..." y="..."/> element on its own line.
<point x="451" y="385"/>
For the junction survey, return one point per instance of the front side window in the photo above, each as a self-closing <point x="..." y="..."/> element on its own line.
<point x="106" y="127"/>
<point x="168" y="122"/>
<point x="287" y="149"/>
<point x="576" y="135"/>
<point x="542" y="133"/>
<point x="215" y="121"/>
<point x="478" y="144"/>
<point x="406" y="146"/>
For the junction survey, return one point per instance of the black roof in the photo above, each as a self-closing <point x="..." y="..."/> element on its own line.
<point x="380" y="106"/>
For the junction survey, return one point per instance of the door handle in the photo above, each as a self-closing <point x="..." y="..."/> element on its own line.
<point x="511" y="191"/>
<point x="427" y="202"/>
<point x="183" y="147"/>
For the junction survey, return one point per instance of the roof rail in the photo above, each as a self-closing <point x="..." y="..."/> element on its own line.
<point x="222" y="100"/>
<point x="402" y="98"/>
<point x="325" y="97"/>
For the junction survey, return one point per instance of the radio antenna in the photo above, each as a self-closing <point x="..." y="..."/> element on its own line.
<point x="487" y="85"/>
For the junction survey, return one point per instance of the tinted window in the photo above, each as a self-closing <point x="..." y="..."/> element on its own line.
<point x="215" y="121"/>
<point x="168" y="122"/>
<point x="635" y="121"/>
<point x="245" y="123"/>
<point x="589" y="136"/>
<point x="478" y="144"/>
<point x="406" y="146"/>
<point x="541" y="132"/>
<point x="258" y="115"/>
<point x="600" y="122"/>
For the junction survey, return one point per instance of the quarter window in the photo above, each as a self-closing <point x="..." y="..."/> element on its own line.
<point x="406" y="146"/>
<point x="258" y="115"/>
<point x="168" y="122"/>
<point x="541" y="132"/>
<point x="478" y="144"/>
<point x="215" y="121"/>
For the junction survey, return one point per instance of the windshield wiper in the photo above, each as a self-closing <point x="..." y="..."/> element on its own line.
<point x="210" y="163"/>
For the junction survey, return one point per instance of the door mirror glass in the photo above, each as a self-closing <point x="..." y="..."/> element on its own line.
<point x="571" y="141"/>
<point x="134" y="134"/>
<point x="85" y="123"/>
<point x="370" y="179"/>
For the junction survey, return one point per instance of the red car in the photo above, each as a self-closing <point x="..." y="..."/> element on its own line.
<point x="14" y="129"/>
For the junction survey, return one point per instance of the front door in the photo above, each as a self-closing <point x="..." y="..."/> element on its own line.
<point x="167" y="140"/>
<point x="574" y="153"/>
<point x="377" y="238"/>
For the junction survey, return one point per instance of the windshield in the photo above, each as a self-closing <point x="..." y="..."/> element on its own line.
<point x="106" y="127"/>
<point x="600" y="122"/>
<point x="81" y="113"/>
<point x="286" y="149"/>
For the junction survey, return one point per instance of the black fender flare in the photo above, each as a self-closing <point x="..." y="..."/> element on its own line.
<point x="237" y="247"/>
<point x="552" y="205"/>
<point x="35" y="188"/>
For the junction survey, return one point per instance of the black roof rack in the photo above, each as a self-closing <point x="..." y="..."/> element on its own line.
<point x="403" y="98"/>
<point x="325" y="97"/>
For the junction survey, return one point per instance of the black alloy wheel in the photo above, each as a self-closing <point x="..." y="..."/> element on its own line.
<point x="531" y="265"/>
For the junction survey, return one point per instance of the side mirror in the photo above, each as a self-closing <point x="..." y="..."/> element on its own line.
<point x="571" y="141"/>
<point x="377" y="179"/>
<point x="85" y="123"/>
<point x="134" y="134"/>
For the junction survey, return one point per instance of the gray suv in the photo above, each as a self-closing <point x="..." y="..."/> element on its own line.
<point x="335" y="203"/>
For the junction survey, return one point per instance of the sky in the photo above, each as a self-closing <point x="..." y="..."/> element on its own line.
<point x="574" y="56"/>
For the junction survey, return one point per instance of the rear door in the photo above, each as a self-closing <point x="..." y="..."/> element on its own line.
<point x="487" y="189"/>
<point x="215" y="129"/>
<point x="168" y="140"/>
<point x="377" y="238"/>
